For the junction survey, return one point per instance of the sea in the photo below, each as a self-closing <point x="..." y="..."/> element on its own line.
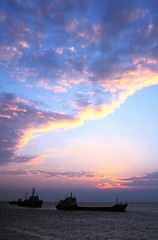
<point x="139" y="222"/>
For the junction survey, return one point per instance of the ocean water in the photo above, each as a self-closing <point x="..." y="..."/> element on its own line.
<point x="139" y="222"/>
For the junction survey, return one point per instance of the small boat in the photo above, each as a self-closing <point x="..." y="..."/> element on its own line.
<point x="70" y="203"/>
<point x="33" y="201"/>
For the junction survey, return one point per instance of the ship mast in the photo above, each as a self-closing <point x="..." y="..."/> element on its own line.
<point x="33" y="192"/>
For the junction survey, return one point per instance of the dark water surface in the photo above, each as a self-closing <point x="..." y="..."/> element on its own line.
<point x="140" y="221"/>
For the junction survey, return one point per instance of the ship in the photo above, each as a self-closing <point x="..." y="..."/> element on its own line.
<point x="33" y="201"/>
<point x="70" y="203"/>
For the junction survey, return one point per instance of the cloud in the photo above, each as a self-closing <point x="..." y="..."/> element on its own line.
<point x="30" y="160"/>
<point x="98" y="179"/>
<point x="59" y="50"/>
<point x="59" y="89"/>
<point x="84" y="30"/>
<point x="13" y="172"/>
<point x="24" y="44"/>
<point x="102" y="53"/>
<point x="146" y="181"/>
<point x="72" y="175"/>
<point x="111" y="41"/>
<point x="72" y="49"/>
<point x="50" y="175"/>
<point x="8" y="54"/>
<point x="20" y="120"/>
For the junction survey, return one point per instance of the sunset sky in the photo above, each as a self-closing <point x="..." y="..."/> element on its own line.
<point x="79" y="98"/>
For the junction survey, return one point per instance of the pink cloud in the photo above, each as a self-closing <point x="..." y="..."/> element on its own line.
<point x="24" y="44"/>
<point x="72" y="49"/>
<point x="59" y="50"/>
<point x="4" y="116"/>
<point x="9" y="53"/>
<point x="59" y="89"/>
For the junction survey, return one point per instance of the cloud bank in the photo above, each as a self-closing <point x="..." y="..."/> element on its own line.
<point x="96" y="179"/>
<point x="88" y="55"/>
<point x="19" y="121"/>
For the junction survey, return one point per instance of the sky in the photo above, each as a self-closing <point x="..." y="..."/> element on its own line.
<point x="79" y="99"/>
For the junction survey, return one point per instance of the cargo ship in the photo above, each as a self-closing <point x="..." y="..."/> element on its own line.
<point x="70" y="203"/>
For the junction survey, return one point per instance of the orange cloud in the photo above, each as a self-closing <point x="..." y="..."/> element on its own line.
<point x="37" y="160"/>
<point x="104" y="185"/>
<point x="121" y="89"/>
<point x="101" y="111"/>
<point x="49" y="126"/>
<point x="14" y="108"/>
<point x="25" y="139"/>
<point x="5" y="116"/>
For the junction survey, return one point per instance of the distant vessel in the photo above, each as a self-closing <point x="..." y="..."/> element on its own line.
<point x="70" y="203"/>
<point x="33" y="201"/>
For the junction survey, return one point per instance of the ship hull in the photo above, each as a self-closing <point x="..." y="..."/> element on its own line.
<point x="13" y="202"/>
<point x="115" y="208"/>
<point x="27" y="203"/>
